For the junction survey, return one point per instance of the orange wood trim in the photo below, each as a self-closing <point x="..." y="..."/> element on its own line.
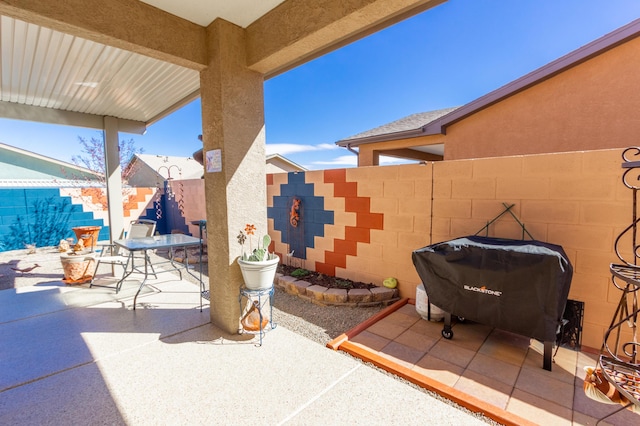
<point x="335" y="343"/>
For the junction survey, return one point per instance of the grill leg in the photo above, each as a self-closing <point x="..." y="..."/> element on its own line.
<point x="548" y="349"/>
<point x="447" y="332"/>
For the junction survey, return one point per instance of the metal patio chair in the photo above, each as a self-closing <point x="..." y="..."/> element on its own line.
<point x="114" y="255"/>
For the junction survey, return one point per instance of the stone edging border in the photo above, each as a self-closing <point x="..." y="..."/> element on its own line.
<point x="320" y="295"/>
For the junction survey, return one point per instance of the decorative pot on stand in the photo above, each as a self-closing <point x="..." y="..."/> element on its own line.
<point x="259" y="275"/>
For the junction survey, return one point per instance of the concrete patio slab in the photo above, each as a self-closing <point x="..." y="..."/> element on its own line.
<point x="83" y="355"/>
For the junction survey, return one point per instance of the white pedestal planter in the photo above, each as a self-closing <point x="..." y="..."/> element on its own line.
<point x="259" y="275"/>
<point x="424" y="308"/>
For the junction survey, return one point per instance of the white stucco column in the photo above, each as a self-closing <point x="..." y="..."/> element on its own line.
<point x="113" y="177"/>
<point x="233" y="126"/>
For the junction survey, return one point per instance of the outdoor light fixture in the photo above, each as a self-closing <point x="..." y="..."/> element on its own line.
<point x="170" y="193"/>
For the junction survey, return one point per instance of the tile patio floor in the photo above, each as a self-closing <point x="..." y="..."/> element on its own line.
<point x="485" y="369"/>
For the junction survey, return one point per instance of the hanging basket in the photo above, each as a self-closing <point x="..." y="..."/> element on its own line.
<point x="259" y="275"/>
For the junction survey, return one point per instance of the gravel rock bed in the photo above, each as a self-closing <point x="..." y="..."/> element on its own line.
<point x="318" y="323"/>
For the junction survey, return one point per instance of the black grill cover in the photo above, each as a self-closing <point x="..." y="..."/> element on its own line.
<point x="514" y="285"/>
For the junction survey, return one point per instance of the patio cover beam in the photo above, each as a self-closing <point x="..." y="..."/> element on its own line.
<point x="113" y="174"/>
<point x="295" y="32"/>
<point x="130" y="25"/>
<point x="36" y="114"/>
<point x="298" y="31"/>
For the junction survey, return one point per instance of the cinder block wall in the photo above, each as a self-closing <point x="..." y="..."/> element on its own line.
<point x="41" y="216"/>
<point x="374" y="217"/>
<point x="85" y="208"/>
<point x="194" y="203"/>
<point x="576" y="200"/>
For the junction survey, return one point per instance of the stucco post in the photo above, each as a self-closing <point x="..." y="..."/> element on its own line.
<point x="114" y="177"/>
<point x="233" y="123"/>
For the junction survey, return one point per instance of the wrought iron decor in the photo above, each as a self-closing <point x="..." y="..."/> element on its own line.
<point x="294" y="214"/>
<point x="619" y="358"/>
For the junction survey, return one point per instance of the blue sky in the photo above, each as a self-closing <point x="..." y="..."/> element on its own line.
<point x="444" y="57"/>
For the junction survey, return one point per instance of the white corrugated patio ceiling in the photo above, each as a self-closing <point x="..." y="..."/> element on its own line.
<point x="50" y="76"/>
<point x="75" y="62"/>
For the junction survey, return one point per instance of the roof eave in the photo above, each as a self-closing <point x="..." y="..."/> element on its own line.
<point x="405" y="134"/>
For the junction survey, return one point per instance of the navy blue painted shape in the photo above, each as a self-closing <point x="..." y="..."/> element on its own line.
<point x="313" y="216"/>
<point x="171" y="220"/>
<point x="175" y="220"/>
<point x="151" y="214"/>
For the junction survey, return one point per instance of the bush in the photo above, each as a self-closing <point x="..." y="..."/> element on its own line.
<point x="300" y="272"/>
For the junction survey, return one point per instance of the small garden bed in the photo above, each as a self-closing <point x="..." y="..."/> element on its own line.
<point x="315" y="278"/>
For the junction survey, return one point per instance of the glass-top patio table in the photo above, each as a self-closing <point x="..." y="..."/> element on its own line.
<point x="170" y="241"/>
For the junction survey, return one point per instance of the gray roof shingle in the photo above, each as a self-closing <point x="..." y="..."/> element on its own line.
<point x="411" y="122"/>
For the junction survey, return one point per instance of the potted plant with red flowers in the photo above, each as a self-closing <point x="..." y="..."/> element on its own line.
<point x="258" y="265"/>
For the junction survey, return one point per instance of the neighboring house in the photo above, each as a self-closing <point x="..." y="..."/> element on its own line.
<point x="276" y="163"/>
<point x="36" y="206"/>
<point x="147" y="170"/>
<point x="585" y="100"/>
<point x="402" y="129"/>
<point x="21" y="167"/>
<point x="150" y="170"/>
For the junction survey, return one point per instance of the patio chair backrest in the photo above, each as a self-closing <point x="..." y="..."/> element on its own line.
<point x="142" y="228"/>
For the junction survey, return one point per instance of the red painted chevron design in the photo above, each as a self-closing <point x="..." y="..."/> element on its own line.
<point x="361" y="233"/>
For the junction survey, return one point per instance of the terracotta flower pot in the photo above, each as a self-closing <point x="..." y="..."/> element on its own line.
<point x="78" y="268"/>
<point x="88" y="235"/>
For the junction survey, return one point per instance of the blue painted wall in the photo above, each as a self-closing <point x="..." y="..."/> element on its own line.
<point x="40" y="216"/>
<point x="312" y="214"/>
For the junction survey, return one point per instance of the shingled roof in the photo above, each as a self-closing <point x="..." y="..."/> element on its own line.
<point x="409" y="123"/>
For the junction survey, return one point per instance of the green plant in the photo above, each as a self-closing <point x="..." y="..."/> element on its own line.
<point x="300" y="272"/>
<point x="343" y="283"/>
<point x="261" y="252"/>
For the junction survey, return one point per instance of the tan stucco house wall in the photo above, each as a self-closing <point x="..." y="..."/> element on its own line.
<point x="580" y="102"/>
<point x="587" y="107"/>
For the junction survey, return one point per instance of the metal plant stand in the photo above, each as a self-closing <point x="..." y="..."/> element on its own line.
<point x="619" y="352"/>
<point x="253" y="304"/>
<point x="202" y="230"/>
